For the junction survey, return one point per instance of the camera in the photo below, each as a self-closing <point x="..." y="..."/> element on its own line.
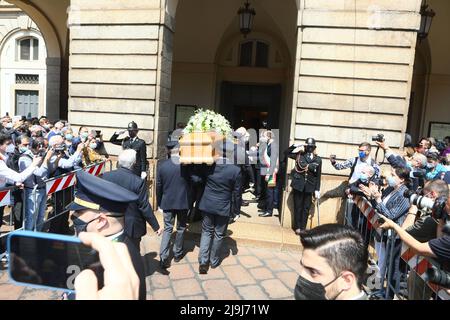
<point x="60" y="149"/>
<point x="439" y="277"/>
<point x="437" y="206"/>
<point x="378" y="138"/>
<point x="419" y="173"/>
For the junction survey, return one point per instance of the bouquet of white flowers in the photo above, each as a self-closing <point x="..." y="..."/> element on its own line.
<point x="207" y="121"/>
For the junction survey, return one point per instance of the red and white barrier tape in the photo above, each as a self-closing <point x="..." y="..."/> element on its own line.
<point x="60" y="184"/>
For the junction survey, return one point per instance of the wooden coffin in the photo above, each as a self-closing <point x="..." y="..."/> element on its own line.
<point x="197" y="148"/>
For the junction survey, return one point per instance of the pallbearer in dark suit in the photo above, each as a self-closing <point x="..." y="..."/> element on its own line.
<point x="174" y="196"/>
<point x="221" y="194"/>
<point x="306" y="177"/>
<point x="99" y="206"/>
<point x="139" y="213"/>
<point x="133" y="142"/>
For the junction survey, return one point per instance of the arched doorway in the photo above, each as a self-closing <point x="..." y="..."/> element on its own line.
<point x="50" y="21"/>
<point x="246" y="79"/>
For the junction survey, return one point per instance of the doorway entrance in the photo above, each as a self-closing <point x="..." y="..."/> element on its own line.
<point x="248" y="105"/>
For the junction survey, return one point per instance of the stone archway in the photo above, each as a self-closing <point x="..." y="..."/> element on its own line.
<point x="56" y="103"/>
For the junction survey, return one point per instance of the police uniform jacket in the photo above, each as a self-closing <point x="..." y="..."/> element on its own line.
<point x="306" y="181"/>
<point x="139" y="146"/>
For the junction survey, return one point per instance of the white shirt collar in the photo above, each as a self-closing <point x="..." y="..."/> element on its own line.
<point x="115" y="236"/>
<point x="359" y="296"/>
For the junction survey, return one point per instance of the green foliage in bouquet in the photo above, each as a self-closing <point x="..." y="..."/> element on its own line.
<point x="206" y="121"/>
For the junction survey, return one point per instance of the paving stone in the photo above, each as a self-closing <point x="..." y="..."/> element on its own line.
<point x="238" y="275"/>
<point x="192" y="298"/>
<point x="159" y="281"/>
<point x="186" y="287"/>
<point x="180" y="271"/>
<point x="250" y="261"/>
<point x="163" y="294"/>
<point x="252" y="293"/>
<point x="10" y="292"/>
<point x="276" y="265"/>
<point x="276" y="289"/>
<point x="289" y="278"/>
<point x="230" y="260"/>
<point x="294" y="265"/>
<point x="220" y="290"/>
<point x="261" y="273"/>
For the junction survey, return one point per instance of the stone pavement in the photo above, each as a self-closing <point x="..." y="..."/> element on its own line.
<point x="246" y="273"/>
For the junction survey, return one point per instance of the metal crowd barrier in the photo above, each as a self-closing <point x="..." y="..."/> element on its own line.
<point x="6" y="199"/>
<point x="60" y="192"/>
<point x="401" y="272"/>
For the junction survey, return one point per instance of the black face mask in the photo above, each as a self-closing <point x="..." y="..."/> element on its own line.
<point x="309" y="149"/>
<point x="308" y="290"/>
<point x="80" y="225"/>
<point x="132" y="133"/>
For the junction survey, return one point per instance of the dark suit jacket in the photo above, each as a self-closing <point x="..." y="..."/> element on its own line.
<point x="140" y="212"/>
<point x="141" y="151"/>
<point x="308" y="181"/>
<point x="173" y="185"/>
<point x="138" y="265"/>
<point x="222" y="189"/>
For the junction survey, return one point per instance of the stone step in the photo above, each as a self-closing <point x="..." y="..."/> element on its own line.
<point x="250" y="234"/>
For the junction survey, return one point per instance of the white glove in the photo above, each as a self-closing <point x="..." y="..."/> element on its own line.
<point x="160" y="210"/>
<point x="143" y="175"/>
<point x="317" y="194"/>
<point x="120" y="132"/>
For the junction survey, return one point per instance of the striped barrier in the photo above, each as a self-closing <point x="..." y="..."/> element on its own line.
<point x="67" y="181"/>
<point x="5" y="198"/>
<point x="420" y="265"/>
<point x="368" y="211"/>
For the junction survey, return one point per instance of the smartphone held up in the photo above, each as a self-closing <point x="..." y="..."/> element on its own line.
<point x="50" y="260"/>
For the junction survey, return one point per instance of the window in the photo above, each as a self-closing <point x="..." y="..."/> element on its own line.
<point x="254" y="54"/>
<point x="27" y="79"/>
<point x="28" y="49"/>
<point x="27" y="103"/>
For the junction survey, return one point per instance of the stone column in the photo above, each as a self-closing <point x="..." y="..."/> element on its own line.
<point x="120" y="67"/>
<point x="354" y="71"/>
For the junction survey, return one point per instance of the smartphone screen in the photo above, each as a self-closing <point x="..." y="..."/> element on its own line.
<point x="50" y="260"/>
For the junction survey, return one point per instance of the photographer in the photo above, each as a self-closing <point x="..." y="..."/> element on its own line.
<point x="390" y="203"/>
<point x="435" y="170"/>
<point x="423" y="227"/>
<point x="436" y="248"/>
<point x="61" y="162"/>
<point x="417" y="165"/>
<point x="357" y="163"/>
<point x="35" y="204"/>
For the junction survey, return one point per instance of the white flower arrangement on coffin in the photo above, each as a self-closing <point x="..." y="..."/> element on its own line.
<point x="204" y="128"/>
<point x="208" y="121"/>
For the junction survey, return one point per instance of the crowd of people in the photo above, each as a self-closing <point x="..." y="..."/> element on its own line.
<point x="421" y="173"/>
<point x="117" y="206"/>
<point x="33" y="151"/>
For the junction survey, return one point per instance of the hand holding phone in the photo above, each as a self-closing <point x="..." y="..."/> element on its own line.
<point x="50" y="260"/>
<point x="120" y="282"/>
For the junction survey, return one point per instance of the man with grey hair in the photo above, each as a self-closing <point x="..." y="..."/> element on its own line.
<point x="140" y="212"/>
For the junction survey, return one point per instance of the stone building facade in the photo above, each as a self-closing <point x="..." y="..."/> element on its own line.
<point x="338" y="70"/>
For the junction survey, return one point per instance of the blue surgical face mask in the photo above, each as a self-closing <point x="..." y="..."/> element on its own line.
<point x="363" y="177"/>
<point x="23" y="149"/>
<point x="392" y="182"/>
<point x="84" y="135"/>
<point x="69" y="137"/>
<point x="92" y="145"/>
<point x="362" y="154"/>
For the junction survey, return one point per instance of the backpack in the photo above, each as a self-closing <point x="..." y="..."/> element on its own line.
<point x="13" y="160"/>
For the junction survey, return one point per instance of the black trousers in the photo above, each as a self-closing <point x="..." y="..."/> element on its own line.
<point x="302" y="205"/>
<point x="3" y="239"/>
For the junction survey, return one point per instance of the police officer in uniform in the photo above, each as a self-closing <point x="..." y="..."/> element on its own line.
<point x="99" y="207"/>
<point x="305" y="180"/>
<point x="133" y="142"/>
